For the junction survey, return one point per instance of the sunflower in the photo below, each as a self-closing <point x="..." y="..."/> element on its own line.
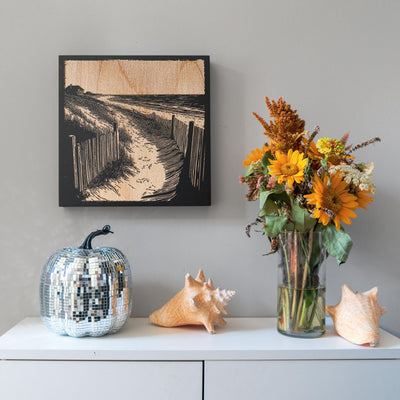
<point x="255" y="156"/>
<point x="362" y="199"/>
<point x="332" y="201"/>
<point x="288" y="167"/>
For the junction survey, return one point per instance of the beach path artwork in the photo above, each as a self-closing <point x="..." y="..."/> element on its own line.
<point x="134" y="131"/>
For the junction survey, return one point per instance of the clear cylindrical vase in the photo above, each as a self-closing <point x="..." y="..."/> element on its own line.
<point x="301" y="284"/>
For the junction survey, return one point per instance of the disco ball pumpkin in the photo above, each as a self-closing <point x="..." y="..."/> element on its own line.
<point x="86" y="291"/>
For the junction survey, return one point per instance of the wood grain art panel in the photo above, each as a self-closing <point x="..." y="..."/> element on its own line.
<point x="137" y="76"/>
<point x="134" y="130"/>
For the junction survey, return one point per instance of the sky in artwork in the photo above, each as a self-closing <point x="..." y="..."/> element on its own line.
<point x="137" y="77"/>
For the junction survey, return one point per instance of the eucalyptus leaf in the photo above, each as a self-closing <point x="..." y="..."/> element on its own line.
<point x="337" y="243"/>
<point x="274" y="225"/>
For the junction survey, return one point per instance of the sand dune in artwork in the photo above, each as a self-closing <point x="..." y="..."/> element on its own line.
<point x="150" y="177"/>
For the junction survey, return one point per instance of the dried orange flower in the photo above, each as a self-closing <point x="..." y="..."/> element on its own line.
<point x="287" y="129"/>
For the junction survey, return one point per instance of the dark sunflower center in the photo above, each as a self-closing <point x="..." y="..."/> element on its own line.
<point x="331" y="200"/>
<point x="289" y="169"/>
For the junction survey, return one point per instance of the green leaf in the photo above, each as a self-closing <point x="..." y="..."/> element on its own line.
<point x="325" y="166"/>
<point x="249" y="170"/>
<point x="316" y="255"/>
<point x="310" y="297"/>
<point x="263" y="198"/>
<point x="280" y="197"/>
<point x="307" y="170"/>
<point x="270" y="199"/>
<point x="337" y="243"/>
<point x="265" y="160"/>
<point x="269" y="208"/>
<point x="274" y="225"/>
<point x="289" y="227"/>
<point x="301" y="218"/>
<point x="266" y="202"/>
<point x="324" y="163"/>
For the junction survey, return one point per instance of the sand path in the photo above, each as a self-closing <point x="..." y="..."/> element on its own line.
<point x="151" y="173"/>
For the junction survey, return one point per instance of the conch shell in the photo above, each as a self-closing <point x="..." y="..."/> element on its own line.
<point x="356" y="317"/>
<point x="198" y="303"/>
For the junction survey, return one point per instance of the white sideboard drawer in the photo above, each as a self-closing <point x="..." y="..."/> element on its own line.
<point x="325" y="379"/>
<point x="49" y="380"/>
<point x="245" y="360"/>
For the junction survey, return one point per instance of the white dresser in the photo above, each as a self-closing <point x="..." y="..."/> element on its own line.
<point x="245" y="360"/>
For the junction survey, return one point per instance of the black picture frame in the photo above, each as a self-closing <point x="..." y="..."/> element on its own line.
<point x="119" y="146"/>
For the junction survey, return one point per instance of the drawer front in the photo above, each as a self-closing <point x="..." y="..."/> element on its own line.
<point x="21" y="380"/>
<point x="325" y="379"/>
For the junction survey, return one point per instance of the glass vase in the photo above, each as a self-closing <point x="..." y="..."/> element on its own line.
<point x="301" y="284"/>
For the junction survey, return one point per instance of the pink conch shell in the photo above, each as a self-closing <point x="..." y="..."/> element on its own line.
<point x="198" y="303"/>
<point x="356" y="317"/>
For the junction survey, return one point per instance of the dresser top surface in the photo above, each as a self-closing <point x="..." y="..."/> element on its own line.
<point x="240" y="339"/>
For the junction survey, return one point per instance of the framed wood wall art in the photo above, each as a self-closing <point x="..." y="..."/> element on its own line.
<point x="134" y="131"/>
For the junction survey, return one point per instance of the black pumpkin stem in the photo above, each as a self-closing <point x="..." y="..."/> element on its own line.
<point x="87" y="244"/>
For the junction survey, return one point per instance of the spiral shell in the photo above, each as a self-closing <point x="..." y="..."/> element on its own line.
<point x="356" y="316"/>
<point x="198" y="303"/>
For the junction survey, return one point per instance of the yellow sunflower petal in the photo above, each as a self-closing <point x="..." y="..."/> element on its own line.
<point x="363" y="200"/>
<point x="294" y="157"/>
<point x="324" y="219"/>
<point x="280" y="156"/>
<point x="337" y="223"/>
<point x="255" y="156"/>
<point x="318" y="184"/>
<point x="302" y="163"/>
<point x="298" y="178"/>
<point x="345" y="219"/>
<point x="300" y="173"/>
<point x="348" y="213"/>
<point x="311" y="197"/>
<point x="290" y="181"/>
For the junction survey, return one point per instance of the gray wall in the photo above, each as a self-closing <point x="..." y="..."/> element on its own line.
<point x="337" y="62"/>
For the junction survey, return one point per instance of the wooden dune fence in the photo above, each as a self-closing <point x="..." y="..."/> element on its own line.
<point x="191" y="142"/>
<point x="91" y="157"/>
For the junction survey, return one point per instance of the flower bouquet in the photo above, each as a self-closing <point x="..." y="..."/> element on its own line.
<point x="306" y="189"/>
